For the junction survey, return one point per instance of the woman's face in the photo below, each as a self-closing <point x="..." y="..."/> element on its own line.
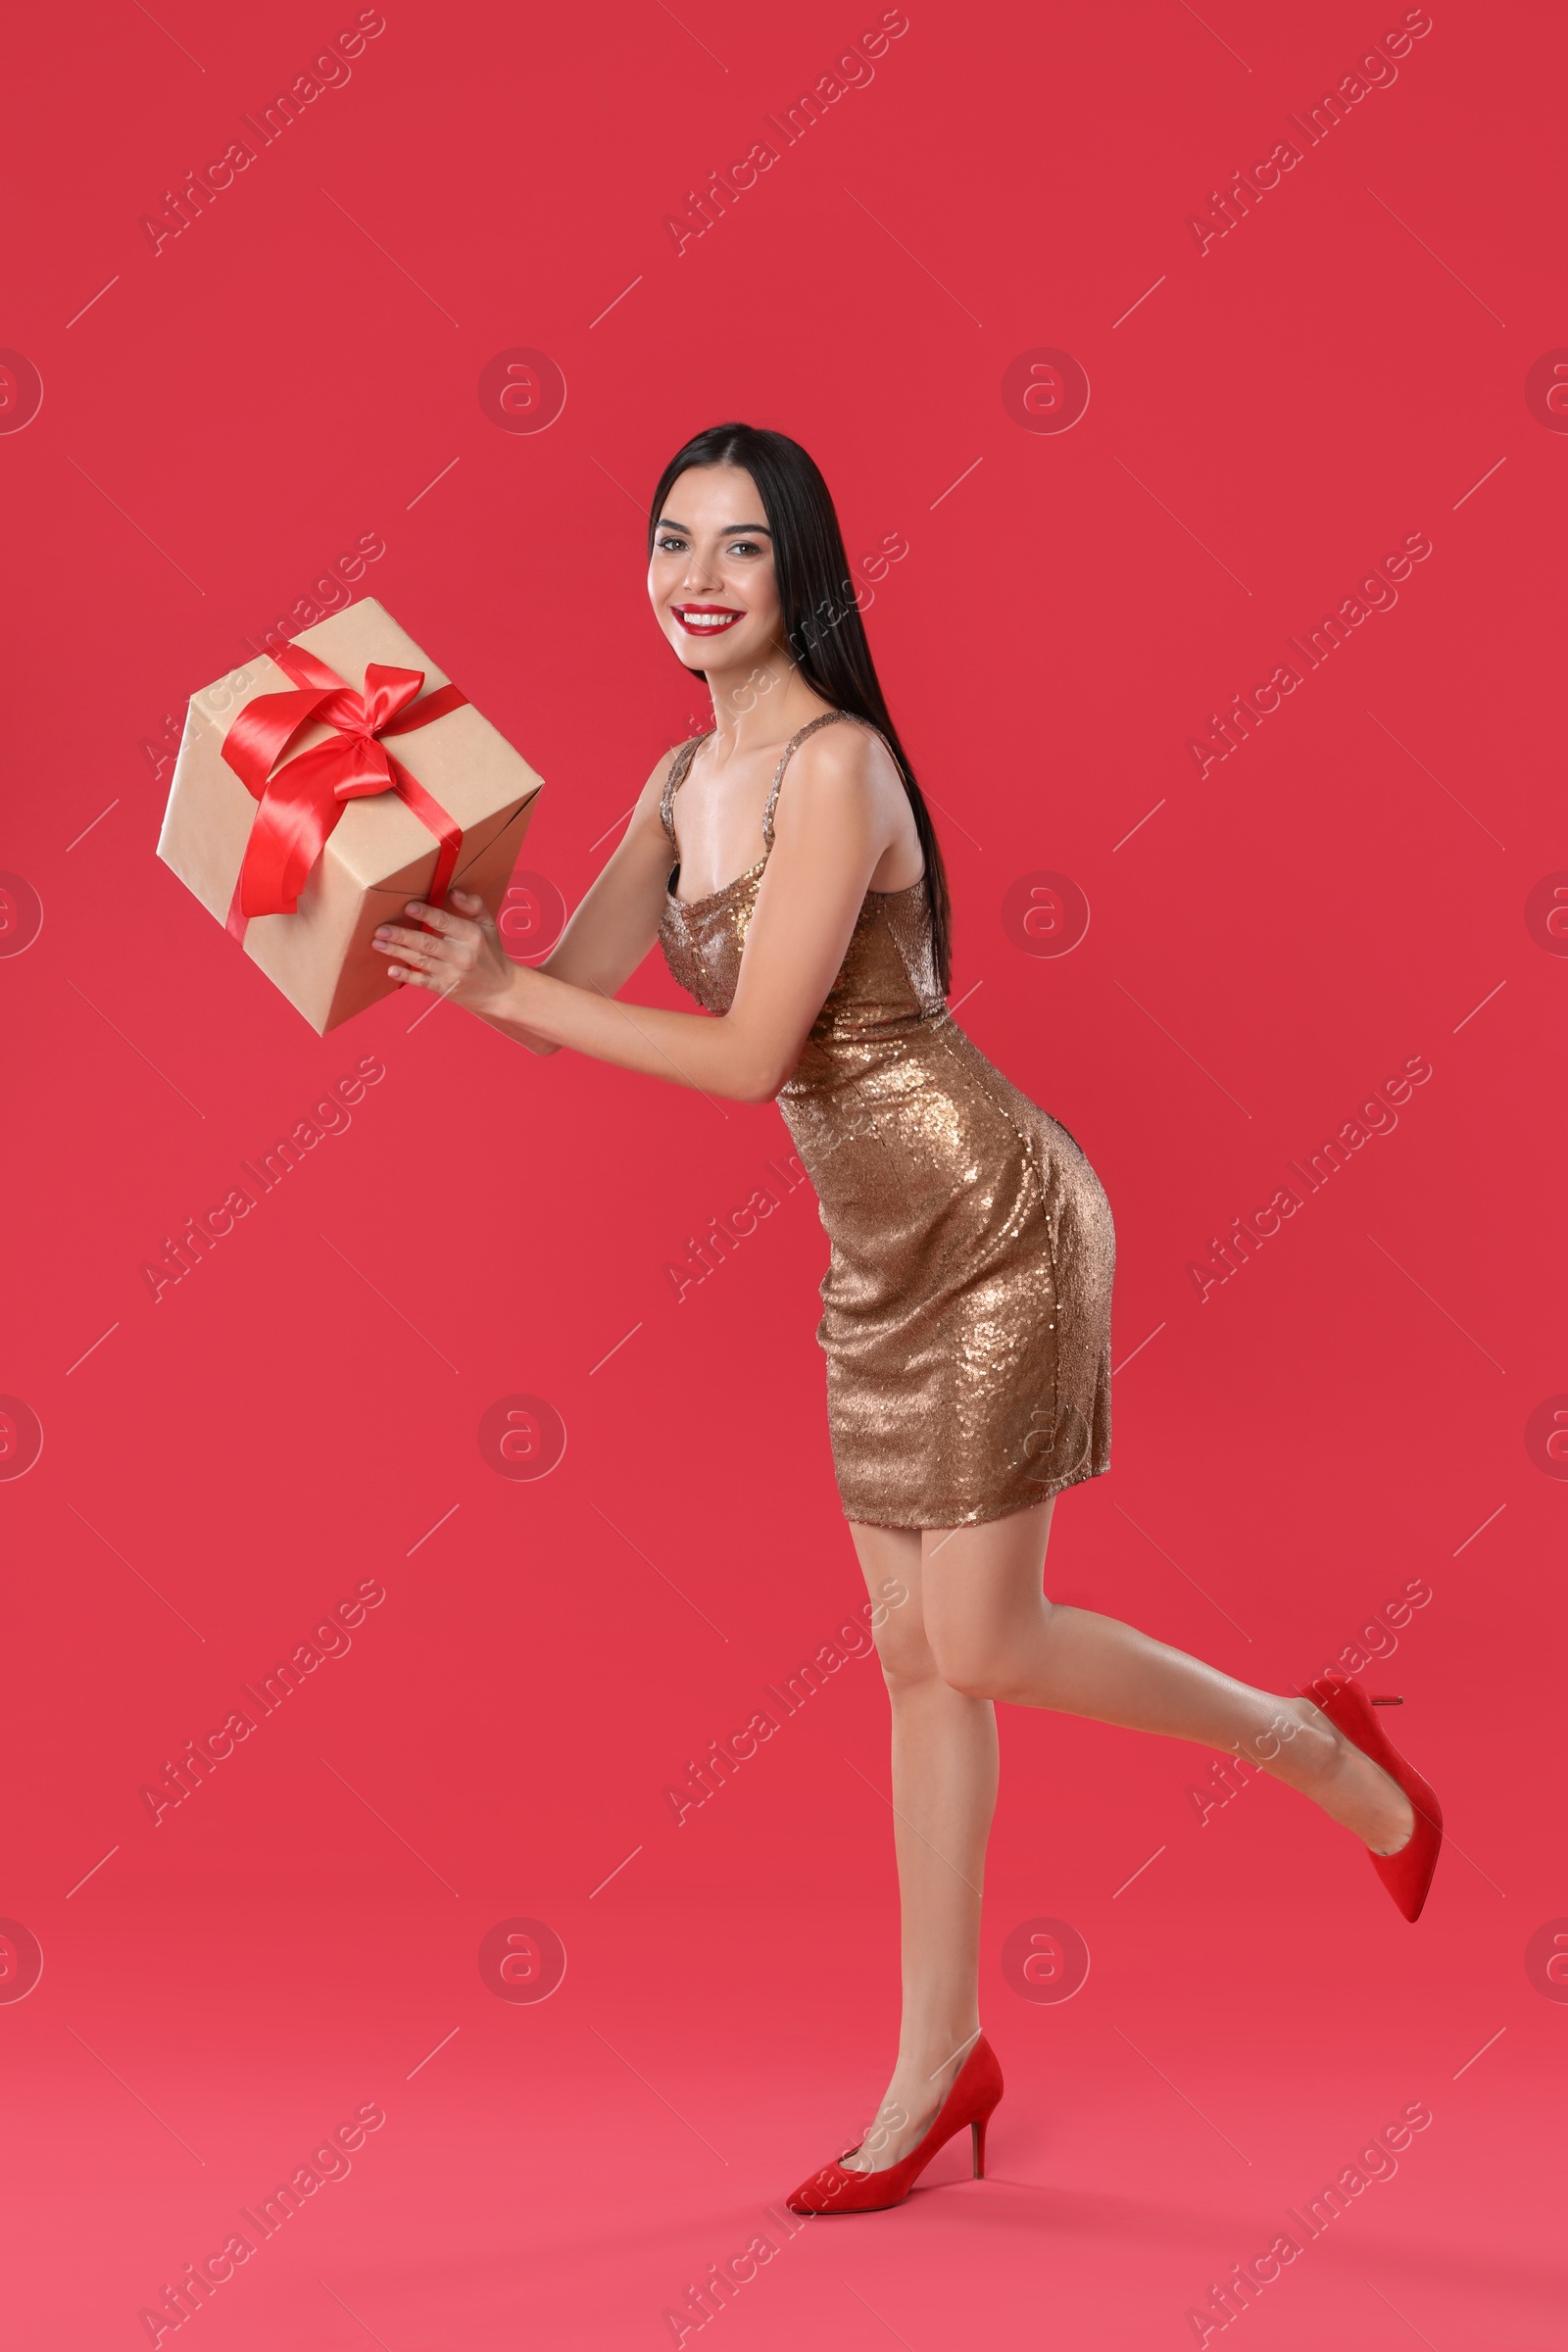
<point x="711" y="578"/>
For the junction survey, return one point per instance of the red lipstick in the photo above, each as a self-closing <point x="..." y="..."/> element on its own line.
<point x="707" y="620"/>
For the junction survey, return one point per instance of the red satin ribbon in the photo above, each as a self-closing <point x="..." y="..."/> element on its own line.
<point x="302" y="801"/>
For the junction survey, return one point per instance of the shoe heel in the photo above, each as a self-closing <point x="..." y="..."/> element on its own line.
<point x="1347" y="1705"/>
<point x="977" y="2136"/>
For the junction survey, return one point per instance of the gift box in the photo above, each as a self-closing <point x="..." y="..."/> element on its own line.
<point x="322" y="787"/>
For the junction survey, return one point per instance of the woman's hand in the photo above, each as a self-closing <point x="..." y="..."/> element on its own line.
<point x="459" y="957"/>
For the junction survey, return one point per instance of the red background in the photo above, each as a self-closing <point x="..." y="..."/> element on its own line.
<point x="219" y="421"/>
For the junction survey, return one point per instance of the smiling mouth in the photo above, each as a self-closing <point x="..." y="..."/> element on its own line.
<point x="706" y="620"/>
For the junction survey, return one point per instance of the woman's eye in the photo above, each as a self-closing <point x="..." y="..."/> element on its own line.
<point x="744" y="547"/>
<point x="670" y="546"/>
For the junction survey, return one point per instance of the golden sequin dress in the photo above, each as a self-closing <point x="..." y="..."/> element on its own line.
<point x="966" y="1305"/>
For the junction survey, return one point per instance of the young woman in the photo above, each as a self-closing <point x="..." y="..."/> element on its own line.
<point x="966" y="1309"/>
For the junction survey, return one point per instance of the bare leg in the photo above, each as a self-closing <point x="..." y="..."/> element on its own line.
<point x="995" y="1635"/>
<point x="944" y="1795"/>
<point x="975" y="1627"/>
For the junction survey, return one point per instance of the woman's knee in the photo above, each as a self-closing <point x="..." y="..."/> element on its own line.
<point x="980" y="1656"/>
<point x="906" y="1655"/>
<point x="971" y="1663"/>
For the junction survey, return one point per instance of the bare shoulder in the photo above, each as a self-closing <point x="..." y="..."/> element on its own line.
<point x="652" y="792"/>
<point x="842" y="781"/>
<point x="659" y="775"/>
<point x="847" y="762"/>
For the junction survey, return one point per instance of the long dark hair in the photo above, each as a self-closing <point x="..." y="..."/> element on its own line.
<point x="822" y="625"/>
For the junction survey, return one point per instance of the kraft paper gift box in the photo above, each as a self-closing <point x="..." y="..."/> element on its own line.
<point x="290" y="817"/>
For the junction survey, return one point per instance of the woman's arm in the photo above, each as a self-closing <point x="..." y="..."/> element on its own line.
<point x="830" y="830"/>
<point x="616" y="922"/>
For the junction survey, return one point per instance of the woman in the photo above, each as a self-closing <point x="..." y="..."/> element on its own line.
<point x="967" y="1310"/>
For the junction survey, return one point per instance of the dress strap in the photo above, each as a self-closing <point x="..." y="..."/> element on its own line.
<point x="672" y="784"/>
<point x="799" y="737"/>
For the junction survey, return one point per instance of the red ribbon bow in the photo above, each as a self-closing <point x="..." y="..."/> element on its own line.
<point x="302" y="801"/>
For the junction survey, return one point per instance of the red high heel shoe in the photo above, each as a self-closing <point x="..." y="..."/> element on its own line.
<point x="1407" y="1875"/>
<point x="971" y="2100"/>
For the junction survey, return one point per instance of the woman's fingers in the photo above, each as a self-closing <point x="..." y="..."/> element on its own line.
<point x="480" y="913"/>
<point x="446" y="953"/>
<point x="423" y="943"/>
<point x="439" y="918"/>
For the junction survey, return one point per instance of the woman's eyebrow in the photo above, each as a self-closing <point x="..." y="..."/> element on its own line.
<point x="758" y="530"/>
